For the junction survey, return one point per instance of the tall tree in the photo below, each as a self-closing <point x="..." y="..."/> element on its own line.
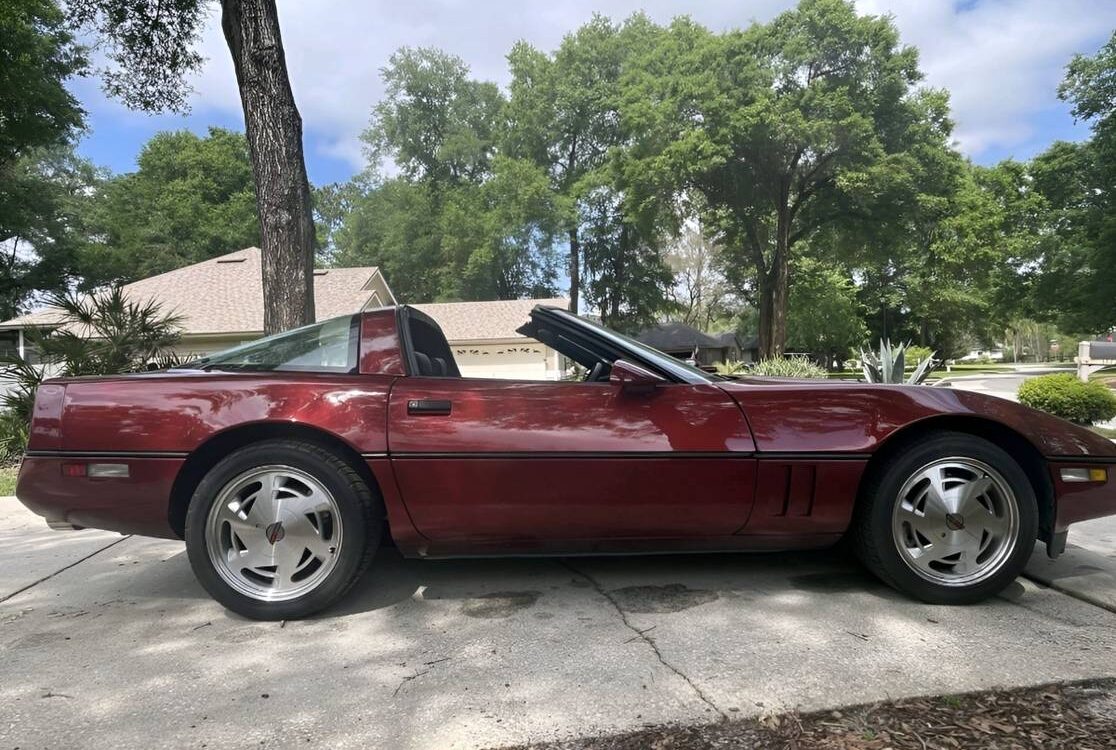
<point x="785" y="128"/>
<point x="460" y="221"/>
<point x="37" y="55"/>
<point x="700" y="291"/>
<point x="150" y="45"/>
<point x="44" y="199"/>
<point x="824" y="317"/>
<point x="564" y="115"/>
<point x="438" y="125"/>
<point x="40" y="178"/>
<point x="191" y="198"/>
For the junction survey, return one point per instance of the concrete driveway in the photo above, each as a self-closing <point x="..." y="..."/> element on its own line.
<point x="110" y="643"/>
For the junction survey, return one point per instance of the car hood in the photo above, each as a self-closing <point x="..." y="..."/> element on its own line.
<point x="793" y="414"/>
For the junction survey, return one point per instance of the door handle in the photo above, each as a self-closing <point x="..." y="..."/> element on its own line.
<point x="429" y="407"/>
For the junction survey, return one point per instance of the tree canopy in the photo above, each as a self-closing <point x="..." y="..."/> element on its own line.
<point x="192" y="198"/>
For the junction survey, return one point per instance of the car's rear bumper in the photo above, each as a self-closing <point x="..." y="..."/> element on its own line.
<point x="136" y="504"/>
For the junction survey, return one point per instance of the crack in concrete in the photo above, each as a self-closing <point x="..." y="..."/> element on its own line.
<point x="33" y="584"/>
<point x="642" y="635"/>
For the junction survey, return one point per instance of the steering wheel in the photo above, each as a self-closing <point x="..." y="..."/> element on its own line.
<point x="599" y="372"/>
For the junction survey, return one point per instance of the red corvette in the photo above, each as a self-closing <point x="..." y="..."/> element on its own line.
<point x="283" y="462"/>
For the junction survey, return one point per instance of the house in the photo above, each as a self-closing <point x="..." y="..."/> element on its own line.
<point x="220" y="301"/>
<point x="688" y="343"/>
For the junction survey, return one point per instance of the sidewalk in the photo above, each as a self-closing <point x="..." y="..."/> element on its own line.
<point x="1087" y="570"/>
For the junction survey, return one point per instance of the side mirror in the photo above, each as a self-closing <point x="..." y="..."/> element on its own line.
<point x="632" y="378"/>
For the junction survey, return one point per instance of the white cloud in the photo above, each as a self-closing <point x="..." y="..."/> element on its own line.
<point x="1001" y="59"/>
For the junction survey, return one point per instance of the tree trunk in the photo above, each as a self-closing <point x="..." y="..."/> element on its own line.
<point x="779" y="283"/>
<point x="575" y="269"/>
<point x="274" y="130"/>
<point x="766" y="348"/>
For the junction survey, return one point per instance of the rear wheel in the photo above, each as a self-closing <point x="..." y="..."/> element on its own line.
<point x="281" y="529"/>
<point x="951" y="520"/>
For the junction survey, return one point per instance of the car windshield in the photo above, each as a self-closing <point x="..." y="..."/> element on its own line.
<point x="329" y="346"/>
<point x="684" y="371"/>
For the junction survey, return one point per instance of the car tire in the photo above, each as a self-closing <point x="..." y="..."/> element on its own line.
<point x="281" y="529"/>
<point x="949" y="519"/>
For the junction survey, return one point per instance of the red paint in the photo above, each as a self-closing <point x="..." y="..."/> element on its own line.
<point x="381" y="352"/>
<point x="1082" y="501"/>
<point x="636" y="464"/>
<point x="178" y="412"/>
<point x="136" y="505"/>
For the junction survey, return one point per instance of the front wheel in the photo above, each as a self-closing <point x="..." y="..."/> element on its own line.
<point x="281" y="529"/>
<point x="950" y="520"/>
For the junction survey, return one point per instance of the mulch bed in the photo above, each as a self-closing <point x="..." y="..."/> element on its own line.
<point x="1073" y="716"/>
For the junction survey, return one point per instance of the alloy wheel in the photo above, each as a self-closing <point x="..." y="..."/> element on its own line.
<point x="274" y="533"/>
<point x="956" y="521"/>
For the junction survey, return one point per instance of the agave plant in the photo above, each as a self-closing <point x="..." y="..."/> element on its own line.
<point x="889" y="365"/>
<point x="731" y="368"/>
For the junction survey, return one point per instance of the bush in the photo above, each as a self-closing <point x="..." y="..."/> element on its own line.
<point x="1063" y="395"/>
<point x="788" y="367"/>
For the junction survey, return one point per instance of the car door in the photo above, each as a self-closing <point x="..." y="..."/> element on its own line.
<point x="487" y="460"/>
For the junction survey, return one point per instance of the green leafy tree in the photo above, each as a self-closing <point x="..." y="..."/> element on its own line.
<point x="395" y="226"/>
<point x="460" y="222"/>
<point x="39" y="118"/>
<point x="150" y="46"/>
<point x="824" y="316"/>
<point x="435" y="123"/>
<point x="563" y="116"/>
<point x="785" y="128"/>
<point x="44" y="201"/>
<point x="191" y="199"/>
<point x="38" y="54"/>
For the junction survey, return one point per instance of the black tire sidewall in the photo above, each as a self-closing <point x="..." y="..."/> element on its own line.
<point x="877" y="545"/>
<point x="359" y="541"/>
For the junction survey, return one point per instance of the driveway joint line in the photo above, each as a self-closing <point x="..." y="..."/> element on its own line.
<point x="642" y="636"/>
<point x="1066" y="591"/>
<point x="33" y="584"/>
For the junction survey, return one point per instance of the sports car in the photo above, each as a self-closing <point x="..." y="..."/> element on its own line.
<point x="286" y="462"/>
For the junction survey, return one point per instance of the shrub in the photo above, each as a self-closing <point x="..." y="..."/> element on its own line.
<point x="1063" y="395"/>
<point x="788" y="367"/>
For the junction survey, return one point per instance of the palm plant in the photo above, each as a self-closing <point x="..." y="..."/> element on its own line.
<point x="889" y="365"/>
<point x="98" y="334"/>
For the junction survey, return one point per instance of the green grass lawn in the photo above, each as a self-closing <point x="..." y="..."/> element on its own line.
<point x="1108" y="432"/>
<point x="8" y="479"/>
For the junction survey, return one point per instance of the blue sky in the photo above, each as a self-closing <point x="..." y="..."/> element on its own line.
<point x="1001" y="60"/>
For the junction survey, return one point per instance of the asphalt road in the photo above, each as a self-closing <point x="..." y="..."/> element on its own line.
<point x="110" y="643"/>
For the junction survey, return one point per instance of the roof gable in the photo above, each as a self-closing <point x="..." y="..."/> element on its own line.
<point x="225" y="294"/>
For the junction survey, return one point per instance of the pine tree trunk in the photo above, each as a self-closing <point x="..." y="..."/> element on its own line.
<point x="779" y="283"/>
<point x="575" y="269"/>
<point x="274" y="129"/>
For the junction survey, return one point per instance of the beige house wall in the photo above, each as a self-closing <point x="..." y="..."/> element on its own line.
<point x="512" y="359"/>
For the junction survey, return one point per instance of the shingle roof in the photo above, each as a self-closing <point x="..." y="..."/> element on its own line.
<point x="676" y="335"/>
<point x="225" y="294"/>
<point x="469" y="321"/>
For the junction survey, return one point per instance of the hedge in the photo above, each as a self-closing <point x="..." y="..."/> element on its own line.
<point x="1063" y="395"/>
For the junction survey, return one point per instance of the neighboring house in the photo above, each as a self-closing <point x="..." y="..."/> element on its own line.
<point x="738" y="349"/>
<point x="995" y="354"/>
<point x="688" y="343"/>
<point x="220" y="302"/>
